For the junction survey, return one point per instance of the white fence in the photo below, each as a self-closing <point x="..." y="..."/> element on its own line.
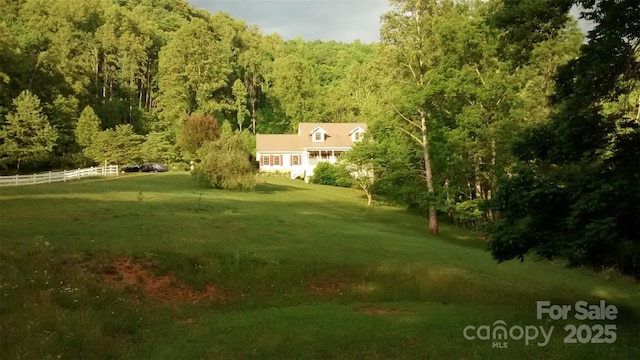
<point x="57" y="176"/>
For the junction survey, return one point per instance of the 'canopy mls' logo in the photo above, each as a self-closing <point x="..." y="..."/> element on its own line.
<point x="499" y="333"/>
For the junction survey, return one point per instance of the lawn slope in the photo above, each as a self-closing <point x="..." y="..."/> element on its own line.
<point x="151" y="266"/>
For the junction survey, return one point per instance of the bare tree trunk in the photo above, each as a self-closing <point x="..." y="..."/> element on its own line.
<point x="96" y="71"/>
<point x="493" y="215"/>
<point x="140" y="84"/>
<point x="478" y="179"/>
<point x="369" y="198"/>
<point x="433" y="215"/>
<point x="253" y="115"/>
<point x="638" y="114"/>
<point x="104" y="89"/>
<point x="253" y="97"/>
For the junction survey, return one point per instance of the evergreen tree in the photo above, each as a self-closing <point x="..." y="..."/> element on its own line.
<point x="87" y="128"/>
<point x="27" y="134"/>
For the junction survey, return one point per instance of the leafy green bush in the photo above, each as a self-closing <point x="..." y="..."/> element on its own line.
<point x="225" y="165"/>
<point x="323" y="174"/>
<point x="330" y="174"/>
<point x="275" y="173"/>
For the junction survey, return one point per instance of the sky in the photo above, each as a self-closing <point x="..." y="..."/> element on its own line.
<point x="339" y="20"/>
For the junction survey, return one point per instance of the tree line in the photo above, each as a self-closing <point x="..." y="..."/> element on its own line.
<point x="141" y="67"/>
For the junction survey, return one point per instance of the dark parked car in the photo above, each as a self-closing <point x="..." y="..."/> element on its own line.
<point x="153" y="167"/>
<point x="132" y="168"/>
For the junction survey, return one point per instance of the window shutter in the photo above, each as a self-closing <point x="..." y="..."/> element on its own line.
<point x="271" y="160"/>
<point x="281" y="163"/>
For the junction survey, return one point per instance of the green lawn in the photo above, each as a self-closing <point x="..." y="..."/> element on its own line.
<point x="151" y="266"/>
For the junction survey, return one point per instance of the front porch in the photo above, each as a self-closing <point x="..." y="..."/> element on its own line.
<point x="316" y="156"/>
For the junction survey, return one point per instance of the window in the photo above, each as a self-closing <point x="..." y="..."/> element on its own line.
<point x="357" y="136"/>
<point x="295" y="160"/>
<point x="317" y="136"/>
<point x="276" y="160"/>
<point x="265" y="160"/>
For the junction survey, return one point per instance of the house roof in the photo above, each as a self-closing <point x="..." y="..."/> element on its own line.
<point x="278" y="142"/>
<point x="338" y="135"/>
<point x="356" y="129"/>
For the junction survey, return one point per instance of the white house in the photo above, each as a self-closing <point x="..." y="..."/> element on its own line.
<point x="300" y="153"/>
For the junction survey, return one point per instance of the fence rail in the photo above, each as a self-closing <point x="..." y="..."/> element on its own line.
<point x="57" y="176"/>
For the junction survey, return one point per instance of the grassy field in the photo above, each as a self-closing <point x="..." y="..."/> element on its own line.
<point x="152" y="267"/>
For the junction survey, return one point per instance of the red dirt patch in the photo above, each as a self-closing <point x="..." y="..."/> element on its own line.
<point x="164" y="288"/>
<point x="381" y="311"/>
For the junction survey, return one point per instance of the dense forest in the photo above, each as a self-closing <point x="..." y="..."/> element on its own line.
<point x="140" y="67"/>
<point x="497" y="115"/>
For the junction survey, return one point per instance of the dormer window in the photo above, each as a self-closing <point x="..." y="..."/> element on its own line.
<point x="357" y="134"/>
<point x="318" y="134"/>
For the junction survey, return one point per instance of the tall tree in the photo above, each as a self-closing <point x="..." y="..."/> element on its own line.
<point x="87" y="129"/>
<point x="197" y="130"/>
<point x="27" y="134"/>
<point x="118" y="145"/>
<point x="296" y="87"/>
<point x="575" y="192"/>
<point x="365" y="162"/>
<point x="8" y="61"/>
<point x="194" y="65"/>
<point x="255" y="57"/>
<point x="409" y="36"/>
<point x="240" y="97"/>
<point x="157" y="147"/>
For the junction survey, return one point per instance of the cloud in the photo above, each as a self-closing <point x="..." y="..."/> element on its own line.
<point x="339" y="20"/>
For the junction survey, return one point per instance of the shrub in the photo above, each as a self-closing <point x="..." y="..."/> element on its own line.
<point x="330" y="174"/>
<point x="275" y="173"/>
<point x="324" y="174"/>
<point x="225" y="165"/>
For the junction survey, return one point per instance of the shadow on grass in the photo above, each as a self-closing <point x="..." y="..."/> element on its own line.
<point x="460" y="237"/>
<point x="266" y="188"/>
